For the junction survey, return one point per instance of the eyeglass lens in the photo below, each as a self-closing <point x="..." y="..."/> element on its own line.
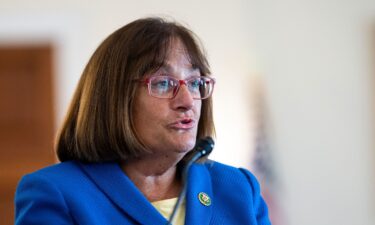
<point x="167" y="87"/>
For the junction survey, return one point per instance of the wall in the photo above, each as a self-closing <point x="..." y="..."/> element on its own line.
<point x="317" y="67"/>
<point x="312" y="57"/>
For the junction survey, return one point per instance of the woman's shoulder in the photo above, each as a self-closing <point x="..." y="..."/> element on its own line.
<point x="69" y="174"/>
<point x="225" y="174"/>
<point x="53" y="175"/>
<point x="224" y="169"/>
<point x="57" y="170"/>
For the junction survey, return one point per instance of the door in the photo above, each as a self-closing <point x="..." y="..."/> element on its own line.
<point x="26" y="118"/>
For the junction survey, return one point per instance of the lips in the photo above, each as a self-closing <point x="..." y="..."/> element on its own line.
<point x="183" y="124"/>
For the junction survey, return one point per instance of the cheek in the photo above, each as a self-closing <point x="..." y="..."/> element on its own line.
<point x="140" y="112"/>
<point x="147" y="113"/>
<point x="198" y="108"/>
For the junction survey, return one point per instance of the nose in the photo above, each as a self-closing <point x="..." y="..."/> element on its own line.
<point x="183" y="100"/>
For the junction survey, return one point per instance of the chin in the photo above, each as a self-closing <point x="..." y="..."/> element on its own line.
<point x="185" y="146"/>
<point x="181" y="142"/>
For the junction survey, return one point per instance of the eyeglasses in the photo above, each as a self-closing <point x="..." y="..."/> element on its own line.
<point x="167" y="87"/>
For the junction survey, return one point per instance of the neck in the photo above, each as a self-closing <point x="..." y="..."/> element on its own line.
<point x="155" y="177"/>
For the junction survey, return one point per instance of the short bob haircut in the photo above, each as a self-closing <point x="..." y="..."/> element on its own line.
<point x="99" y="125"/>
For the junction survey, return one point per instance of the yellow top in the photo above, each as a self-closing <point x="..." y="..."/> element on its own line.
<point x="165" y="208"/>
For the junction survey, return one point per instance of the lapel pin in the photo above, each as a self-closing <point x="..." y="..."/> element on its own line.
<point x="204" y="199"/>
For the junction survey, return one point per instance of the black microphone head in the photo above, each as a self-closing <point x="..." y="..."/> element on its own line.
<point x="205" y="145"/>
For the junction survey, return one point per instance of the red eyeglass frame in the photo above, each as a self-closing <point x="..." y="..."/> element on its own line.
<point x="180" y="82"/>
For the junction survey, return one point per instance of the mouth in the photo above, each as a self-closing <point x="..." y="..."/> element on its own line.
<point x="183" y="124"/>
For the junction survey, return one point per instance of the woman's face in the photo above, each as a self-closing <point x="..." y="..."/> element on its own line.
<point x="169" y="126"/>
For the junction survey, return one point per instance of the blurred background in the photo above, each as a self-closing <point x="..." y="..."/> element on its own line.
<point x="294" y="100"/>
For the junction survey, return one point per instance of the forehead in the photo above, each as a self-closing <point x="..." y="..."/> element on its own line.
<point x="177" y="51"/>
<point x="177" y="57"/>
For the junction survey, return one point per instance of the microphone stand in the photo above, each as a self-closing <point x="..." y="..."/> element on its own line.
<point x="183" y="192"/>
<point x="205" y="147"/>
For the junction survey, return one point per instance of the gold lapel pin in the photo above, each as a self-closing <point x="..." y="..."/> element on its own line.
<point x="204" y="198"/>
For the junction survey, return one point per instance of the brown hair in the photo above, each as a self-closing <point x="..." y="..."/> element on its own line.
<point x="98" y="126"/>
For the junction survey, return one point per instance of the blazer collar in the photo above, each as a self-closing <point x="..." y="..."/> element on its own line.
<point x="112" y="181"/>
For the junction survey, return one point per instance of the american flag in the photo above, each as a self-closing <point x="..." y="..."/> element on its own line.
<point x="263" y="164"/>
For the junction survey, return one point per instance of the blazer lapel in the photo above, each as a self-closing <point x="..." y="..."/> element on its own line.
<point x="111" y="180"/>
<point x="198" y="206"/>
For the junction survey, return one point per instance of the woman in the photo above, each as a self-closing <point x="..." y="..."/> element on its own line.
<point x="142" y="102"/>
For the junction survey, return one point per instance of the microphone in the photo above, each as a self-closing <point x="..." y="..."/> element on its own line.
<point x="203" y="148"/>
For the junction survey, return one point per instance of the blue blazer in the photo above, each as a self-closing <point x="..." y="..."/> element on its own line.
<point x="101" y="194"/>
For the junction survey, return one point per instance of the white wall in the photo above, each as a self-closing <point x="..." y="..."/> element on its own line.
<point x="312" y="55"/>
<point x="316" y="65"/>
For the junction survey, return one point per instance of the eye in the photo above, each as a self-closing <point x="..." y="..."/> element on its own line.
<point x="195" y="83"/>
<point x="162" y="84"/>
